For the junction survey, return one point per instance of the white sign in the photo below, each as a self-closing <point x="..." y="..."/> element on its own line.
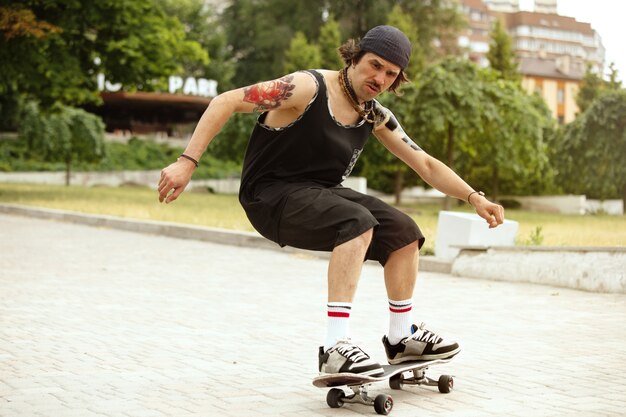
<point x="189" y="86"/>
<point x="193" y="86"/>
<point x="104" y="85"/>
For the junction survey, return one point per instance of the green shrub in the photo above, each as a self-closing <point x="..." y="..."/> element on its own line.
<point x="136" y="155"/>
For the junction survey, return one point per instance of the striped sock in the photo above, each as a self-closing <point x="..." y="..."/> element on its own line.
<point x="338" y="323"/>
<point x="400" y="320"/>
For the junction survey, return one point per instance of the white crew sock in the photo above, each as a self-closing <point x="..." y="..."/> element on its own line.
<point x="400" y="320"/>
<point x="338" y="323"/>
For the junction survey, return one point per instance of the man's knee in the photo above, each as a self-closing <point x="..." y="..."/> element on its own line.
<point x="411" y="250"/>
<point x="362" y="241"/>
<point x="366" y="237"/>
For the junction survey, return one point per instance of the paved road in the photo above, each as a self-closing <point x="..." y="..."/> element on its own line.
<point x="99" y="322"/>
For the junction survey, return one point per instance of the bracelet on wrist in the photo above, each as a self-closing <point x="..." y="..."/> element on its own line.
<point x="480" y="193"/>
<point x="190" y="158"/>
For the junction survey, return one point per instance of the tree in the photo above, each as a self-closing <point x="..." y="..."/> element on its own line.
<point x="512" y="151"/>
<point x="613" y="83"/>
<point x="65" y="135"/>
<point x="259" y="32"/>
<point x="487" y="129"/>
<point x="450" y="109"/>
<point x="501" y="55"/>
<point x="593" y="149"/>
<point x="202" y="25"/>
<point x="17" y="21"/>
<point x="131" y="41"/>
<point x="301" y="54"/>
<point x="329" y="40"/>
<point x="20" y="31"/>
<point x="593" y="87"/>
<point x="358" y="16"/>
<point x="437" y="23"/>
<point x="51" y="52"/>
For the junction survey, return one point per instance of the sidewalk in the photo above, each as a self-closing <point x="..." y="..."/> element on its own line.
<point x="101" y="322"/>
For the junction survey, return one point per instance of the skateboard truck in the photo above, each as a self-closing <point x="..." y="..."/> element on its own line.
<point x="445" y="383"/>
<point x="336" y="398"/>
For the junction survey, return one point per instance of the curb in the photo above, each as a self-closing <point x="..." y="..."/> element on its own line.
<point x="183" y="231"/>
<point x="593" y="269"/>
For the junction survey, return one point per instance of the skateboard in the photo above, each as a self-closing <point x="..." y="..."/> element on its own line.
<point x="382" y="403"/>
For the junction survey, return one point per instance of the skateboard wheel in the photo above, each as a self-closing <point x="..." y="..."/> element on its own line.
<point x="383" y="404"/>
<point x="396" y="381"/>
<point x="445" y="384"/>
<point x="335" y="397"/>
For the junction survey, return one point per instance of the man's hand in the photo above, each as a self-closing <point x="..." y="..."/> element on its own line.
<point x="491" y="212"/>
<point x="174" y="179"/>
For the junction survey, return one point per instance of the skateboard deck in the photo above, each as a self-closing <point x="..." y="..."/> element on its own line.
<point x="397" y="375"/>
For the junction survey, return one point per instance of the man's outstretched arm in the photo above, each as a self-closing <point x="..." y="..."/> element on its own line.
<point x="434" y="172"/>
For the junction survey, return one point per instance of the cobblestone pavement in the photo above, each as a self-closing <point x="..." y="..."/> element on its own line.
<point x="99" y="322"/>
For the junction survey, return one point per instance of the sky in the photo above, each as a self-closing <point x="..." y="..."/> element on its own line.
<point x="607" y="17"/>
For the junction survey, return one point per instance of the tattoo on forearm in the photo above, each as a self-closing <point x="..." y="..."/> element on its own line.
<point x="270" y="94"/>
<point x="412" y="144"/>
<point x="386" y="116"/>
<point x="393" y="125"/>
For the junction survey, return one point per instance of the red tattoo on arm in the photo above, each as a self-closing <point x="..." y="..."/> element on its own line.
<point x="268" y="95"/>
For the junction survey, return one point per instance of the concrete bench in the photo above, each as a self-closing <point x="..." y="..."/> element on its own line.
<point x="456" y="229"/>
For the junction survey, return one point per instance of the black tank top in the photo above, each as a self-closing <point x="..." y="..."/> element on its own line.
<point x="314" y="150"/>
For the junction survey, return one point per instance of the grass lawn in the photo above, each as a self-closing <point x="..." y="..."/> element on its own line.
<point x="213" y="210"/>
<point x="224" y="211"/>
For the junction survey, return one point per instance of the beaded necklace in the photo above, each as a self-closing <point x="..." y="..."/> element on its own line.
<point x="347" y="89"/>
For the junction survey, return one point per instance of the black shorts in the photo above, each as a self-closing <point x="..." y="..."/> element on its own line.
<point x="318" y="218"/>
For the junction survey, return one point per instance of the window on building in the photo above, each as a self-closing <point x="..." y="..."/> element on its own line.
<point x="560" y="96"/>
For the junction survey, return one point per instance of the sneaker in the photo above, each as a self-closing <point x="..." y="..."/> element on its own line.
<point x="422" y="345"/>
<point x="345" y="356"/>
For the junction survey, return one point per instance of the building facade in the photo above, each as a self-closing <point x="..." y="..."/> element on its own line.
<point x="552" y="36"/>
<point x="556" y="80"/>
<point x="545" y="6"/>
<point x="504" y="6"/>
<point x="553" y="51"/>
<point x="476" y="39"/>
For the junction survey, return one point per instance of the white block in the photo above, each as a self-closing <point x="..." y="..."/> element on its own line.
<point x="356" y="183"/>
<point x="465" y="229"/>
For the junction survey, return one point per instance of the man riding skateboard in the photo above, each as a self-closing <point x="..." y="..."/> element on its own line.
<point x="311" y="131"/>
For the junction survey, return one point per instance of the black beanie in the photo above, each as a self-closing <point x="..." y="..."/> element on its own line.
<point x="389" y="43"/>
